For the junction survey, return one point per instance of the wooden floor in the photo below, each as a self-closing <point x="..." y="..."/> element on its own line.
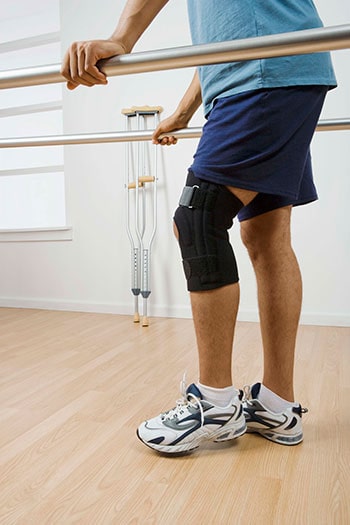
<point x="74" y="386"/>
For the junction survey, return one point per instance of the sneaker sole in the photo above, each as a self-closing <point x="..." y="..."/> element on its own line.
<point x="218" y="437"/>
<point x="282" y="439"/>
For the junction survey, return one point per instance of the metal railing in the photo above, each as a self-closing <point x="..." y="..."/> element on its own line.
<point x="294" y="43"/>
<point x="282" y="44"/>
<point x="133" y="136"/>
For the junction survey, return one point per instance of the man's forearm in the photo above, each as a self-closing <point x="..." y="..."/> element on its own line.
<point x="137" y="15"/>
<point x="191" y="100"/>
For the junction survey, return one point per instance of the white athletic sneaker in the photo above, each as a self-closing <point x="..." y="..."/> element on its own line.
<point x="191" y="422"/>
<point x="284" y="427"/>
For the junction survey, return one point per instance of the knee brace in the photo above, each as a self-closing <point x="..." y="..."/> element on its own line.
<point x="203" y="218"/>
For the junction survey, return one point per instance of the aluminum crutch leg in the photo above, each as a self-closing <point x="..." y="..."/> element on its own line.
<point x="147" y="246"/>
<point x="134" y="243"/>
<point x="141" y="234"/>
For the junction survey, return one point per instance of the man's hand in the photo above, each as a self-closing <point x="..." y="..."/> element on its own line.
<point x="168" y="125"/>
<point x="79" y="63"/>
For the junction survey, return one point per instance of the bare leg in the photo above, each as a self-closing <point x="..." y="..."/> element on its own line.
<point x="267" y="238"/>
<point x="214" y="315"/>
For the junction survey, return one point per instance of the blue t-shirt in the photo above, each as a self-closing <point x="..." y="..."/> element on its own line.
<point x="221" y="20"/>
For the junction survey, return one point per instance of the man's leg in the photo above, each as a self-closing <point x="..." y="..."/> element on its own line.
<point x="268" y="240"/>
<point x="207" y="410"/>
<point x="214" y="316"/>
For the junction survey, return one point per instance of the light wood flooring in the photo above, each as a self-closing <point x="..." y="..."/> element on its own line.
<point x="74" y="387"/>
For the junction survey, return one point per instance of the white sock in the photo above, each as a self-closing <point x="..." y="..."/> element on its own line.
<point x="220" y="397"/>
<point x="272" y="401"/>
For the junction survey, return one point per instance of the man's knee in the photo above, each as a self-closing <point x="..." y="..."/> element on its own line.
<point x="204" y="215"/>
<point x="267" y="234"/>
<point x="250" y="238"/>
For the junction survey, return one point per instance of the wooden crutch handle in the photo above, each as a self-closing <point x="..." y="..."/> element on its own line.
<point x="142" y="180"/>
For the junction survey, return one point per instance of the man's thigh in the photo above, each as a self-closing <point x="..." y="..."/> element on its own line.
<point x="268" y="230"/>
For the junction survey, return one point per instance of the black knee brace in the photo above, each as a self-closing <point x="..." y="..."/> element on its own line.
<point x="203" y="218"/>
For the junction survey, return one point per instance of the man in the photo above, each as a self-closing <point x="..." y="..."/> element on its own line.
<point x="253" y="161"/>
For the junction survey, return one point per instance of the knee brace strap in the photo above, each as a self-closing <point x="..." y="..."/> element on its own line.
<point x="205" y="213"/>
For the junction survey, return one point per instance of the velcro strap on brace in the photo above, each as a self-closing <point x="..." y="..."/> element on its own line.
<point x="204" y="267"/>
<point x="196" y="197"/>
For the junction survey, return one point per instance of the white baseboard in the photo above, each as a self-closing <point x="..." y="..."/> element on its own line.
<point x="318" y="319"/>
<point x="306" y="318"/>
<point x="180" y="311"/>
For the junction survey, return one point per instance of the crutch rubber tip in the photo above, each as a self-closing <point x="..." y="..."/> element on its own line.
<point x="136" y="318"/>
<point x="145" y="321"/>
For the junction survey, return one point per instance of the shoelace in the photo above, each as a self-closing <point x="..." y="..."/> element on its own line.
<point x="246" y="393"/>
<point x="187" y="400"/>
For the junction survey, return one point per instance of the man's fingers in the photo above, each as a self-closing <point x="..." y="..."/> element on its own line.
<point x="71" y="71"/>
<point x="83" y="74"/>
<point x="72" y="85"/>
<point x="79" y="66"/>
<point x="165" y="141"/>
<point x="90" y="66"/>
<point x="168" y="141"/>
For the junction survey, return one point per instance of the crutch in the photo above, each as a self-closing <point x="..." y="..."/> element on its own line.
<point x="138" y="172"/>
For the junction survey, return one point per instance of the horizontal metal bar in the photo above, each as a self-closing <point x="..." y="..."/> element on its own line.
<point x="333" y="124"/>
<point x="15" y="111"/>
<point x="31" y="41"/>
<point x="282" y="44"/>
<point x="133" y="136"/>
<point x="32" y="171"/>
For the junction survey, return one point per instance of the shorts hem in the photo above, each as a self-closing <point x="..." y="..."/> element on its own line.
<point x="238" y="184"/>
<point x="250" y="215"/>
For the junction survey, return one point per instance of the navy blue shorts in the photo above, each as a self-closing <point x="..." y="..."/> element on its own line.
<point x="260" y="140"/>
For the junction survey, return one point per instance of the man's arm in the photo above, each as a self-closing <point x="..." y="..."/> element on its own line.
<point x="187" y="107"/>
<point x="79" y="63"/>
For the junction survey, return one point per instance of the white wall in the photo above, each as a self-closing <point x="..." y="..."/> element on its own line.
<point x="92" y="271"/>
